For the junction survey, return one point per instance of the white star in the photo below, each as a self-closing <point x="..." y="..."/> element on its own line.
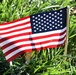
<point x="49" y="13"/>
<point x="55" y="23"/>
<point x="44" y="14"/>
<point x="60" y="14"/>
<point x="34" y="27"/>
<point x="33" y="20"/>
<point x="60" y="22"/>
<point x="55" y="19"/>
<point x="47" y="19"/>
<point x="41" y="20"/>
<point x="47" y="22"/>
<point x="36" y="21"/>
<point x="55" y="16"/>
<point x="39" y="26"/>
<point x="42" y="24"/>
<point x="52" y="14"/>
<point x="40" y="30"/>
<point x="60" y="18"/>
<point x="47" y="26"/>
<point x="42" y="27"/>
<point x="55" y="12"/>
<point x="47" y="16"/>
<point x="61" y="26"/>
<point x="53" y="26"/>
<point x="45" y="29"/>
<point x="56" y="27"/>
<point x="34" y="30"/>
<point x="50" y="21"/>
<point x="44" y="21"/>
<point x="50" y="17"/>
<point x="41" y="16"/>
<point x="33" y="16"/>
<point x="33" y="23"/>
<point x="38" y="15"/>
<point x="50" y="28"/>
<point x="36" y="24"/>
<point x="44" y="18"/>
<point x="60" y="10"/>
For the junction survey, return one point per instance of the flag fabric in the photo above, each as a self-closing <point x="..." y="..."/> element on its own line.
<point x="35" y="32"/>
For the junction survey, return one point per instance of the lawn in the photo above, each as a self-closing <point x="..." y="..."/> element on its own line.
<point x="44" y="62"/>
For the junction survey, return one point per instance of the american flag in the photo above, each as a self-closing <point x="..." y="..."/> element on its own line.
<point x="35" y="32"/>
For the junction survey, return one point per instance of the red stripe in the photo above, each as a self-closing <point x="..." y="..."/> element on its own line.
<point x="34" y="38"/>
<point x="25" y="39"/>
<point x="47" y="36"/>
<point x="30" y="39"/>
<point x="48" y="41"/>
<point x="15" y="20"/>
<point x="15" y="48"/>
<point x="33" y="44"/>
<point x="16" y="30"/>
<point x="38" y="37"/>
<point x="14" y="42"/>
<point x="13" y="36"/>
<point x="15" y="26"/>
<point x="17" y="55"/>
<point x="51" y="46"/>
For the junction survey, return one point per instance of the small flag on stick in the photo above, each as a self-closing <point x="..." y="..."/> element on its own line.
<point x="35" y="32"/>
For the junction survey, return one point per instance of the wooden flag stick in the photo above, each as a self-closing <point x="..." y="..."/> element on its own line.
<point x="11" y="68"/>
<point x="27" y="57"/>
<point x="67" y="30"/>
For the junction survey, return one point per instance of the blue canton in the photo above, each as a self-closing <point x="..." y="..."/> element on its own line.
<point x="48" y="21"/>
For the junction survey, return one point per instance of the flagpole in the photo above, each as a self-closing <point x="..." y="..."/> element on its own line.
<point x="27" y="59"/>
<point x="11" y="69"/>
<point x="67" y="31"/>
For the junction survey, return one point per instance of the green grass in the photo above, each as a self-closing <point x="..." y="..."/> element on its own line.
<point x="43" y="62"/>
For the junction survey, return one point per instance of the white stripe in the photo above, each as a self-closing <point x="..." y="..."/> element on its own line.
<point x="33" y="47"/>
<point x="33" y="35"/>
<point x="15" y="33"/>
<point x="13" y="39"/>
<point x="38" y="34"/>
<point x="30" y="36"/>
<point x="15" y="28"/>
<point x="33" y="41"/>
<point x="50" y="32"/>
<point x="23" y="37"/>
<point x="15" y="23"/>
